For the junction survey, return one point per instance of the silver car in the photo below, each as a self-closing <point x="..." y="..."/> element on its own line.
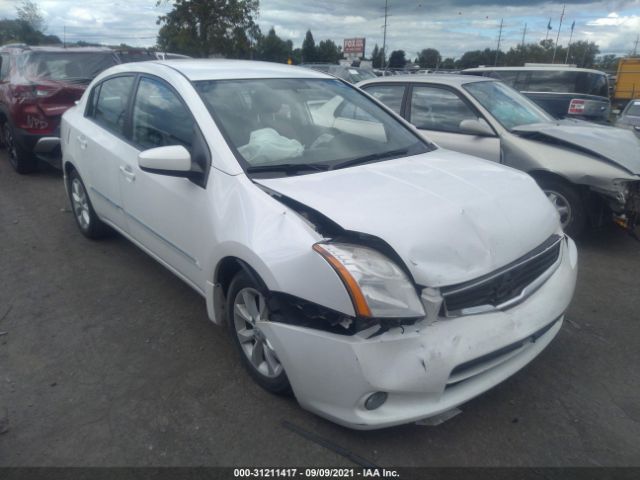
<point x="588" y="171"/>
<point x="630" y="117"/>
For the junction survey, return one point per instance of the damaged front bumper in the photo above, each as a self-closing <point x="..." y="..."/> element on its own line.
<point x="623" y="199"/>
<point x="424" y="369"/>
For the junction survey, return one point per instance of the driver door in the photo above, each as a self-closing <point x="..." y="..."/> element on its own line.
<point x="166" y="214"/>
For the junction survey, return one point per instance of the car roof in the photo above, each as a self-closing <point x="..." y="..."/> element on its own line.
<point x="435" y="78"/>
<point x="538" y="68"/>
<point x="219" y="69"/>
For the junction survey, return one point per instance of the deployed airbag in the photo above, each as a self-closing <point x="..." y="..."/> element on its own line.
<point x="268" y="146"/>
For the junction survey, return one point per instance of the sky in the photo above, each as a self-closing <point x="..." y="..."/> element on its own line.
<point x="450" y="26"/>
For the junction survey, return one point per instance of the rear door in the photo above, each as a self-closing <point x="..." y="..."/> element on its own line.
<point x="437" y="112"/>
<point x="101" y="143"/>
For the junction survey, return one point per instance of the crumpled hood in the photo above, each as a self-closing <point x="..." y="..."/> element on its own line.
<point x="450" y="217"/>
<point x="617" y="145"/>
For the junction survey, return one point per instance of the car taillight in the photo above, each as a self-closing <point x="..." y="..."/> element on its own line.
<point x="31" y="91"/>
<point x="576" y="107"/>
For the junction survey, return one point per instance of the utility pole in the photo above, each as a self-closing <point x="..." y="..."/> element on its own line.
<point x="635" y="47"/>
<point x="384" y="37"/>
<point x="524" y="34"/>
<point x="555" y="49"/>
<point x="499" y="39"/>
<point x="64" y="36"/>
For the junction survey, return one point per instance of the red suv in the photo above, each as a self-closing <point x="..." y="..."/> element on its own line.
<point x="37" y="85"/>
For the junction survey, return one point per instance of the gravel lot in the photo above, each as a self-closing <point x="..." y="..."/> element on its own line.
<point x="108" y="359"/>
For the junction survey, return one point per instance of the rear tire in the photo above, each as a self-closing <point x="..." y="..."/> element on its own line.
<point x="20" y="159"/>
<point x="568" y="203"/>
<point x="83" y="213"/>
<point x="245" y="305"/>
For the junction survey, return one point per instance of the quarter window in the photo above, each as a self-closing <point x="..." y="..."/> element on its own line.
<point x="390" y="95"/>
<point x="111" y="98"/>
<point x="159" y="117"/>
<point x="4" y="68"/>
<point x="438" y="109"/>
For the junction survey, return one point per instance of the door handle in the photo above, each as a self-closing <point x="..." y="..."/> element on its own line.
<point x="82" y="140"/>
<point x="128" y="172"/>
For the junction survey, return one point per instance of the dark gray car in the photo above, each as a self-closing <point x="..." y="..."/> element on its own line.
<point x="587" y="170"/>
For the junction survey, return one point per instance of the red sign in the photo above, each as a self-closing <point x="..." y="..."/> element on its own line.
<point x="354" y="45"/>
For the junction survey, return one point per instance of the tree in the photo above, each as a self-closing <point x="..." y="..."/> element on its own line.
<point x="397" y="59"/>
<point x="448" y="64"/>
<point x="309" y="51"/>
<point x="377" y="57"/>
<point x="608" y="62"/>
<point x="271" y="48"/>
<point x="29" y="12"/>
<point x="206" y="27"/>
<point x="328" y="52"/>
<point x="19" y="31"/>
<point x="582" y="53"/>
<point x="475" y="58"/>
<point x="429" y="58"/>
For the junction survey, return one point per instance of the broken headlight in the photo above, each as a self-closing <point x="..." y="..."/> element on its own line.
<point x="378" y="287"/>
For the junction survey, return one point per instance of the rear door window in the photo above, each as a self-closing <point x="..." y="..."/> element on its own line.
<point x="439" y="109"/>
<point x="390" y="95"/>
<point x="110" y="106"/>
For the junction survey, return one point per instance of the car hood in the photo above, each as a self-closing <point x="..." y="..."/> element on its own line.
<point x="616" y="145"/>
<point x="449" y="216"/>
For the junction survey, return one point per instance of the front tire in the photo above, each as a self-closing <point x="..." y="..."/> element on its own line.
<point x="83" y="213"/>
<point x="246" y="305"/>
<point x="568" y="203"/>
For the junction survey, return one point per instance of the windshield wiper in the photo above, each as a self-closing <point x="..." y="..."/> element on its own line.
<point x="371" y="158"/>
<point x="288" y="167"/>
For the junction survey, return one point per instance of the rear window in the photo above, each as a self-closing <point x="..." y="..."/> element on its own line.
<point x="634" y="109"/>
<point x="559" y="81"/>
<point x="70" y="67"/>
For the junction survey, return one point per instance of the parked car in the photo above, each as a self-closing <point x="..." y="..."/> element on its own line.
<point x="630" y="117"/>
<point x="587" y="170"/>
<point x="37" y="85"/>
<point x="563" y="91"/>
<point x="350" y="74"/>
<point x="380" y="278"/>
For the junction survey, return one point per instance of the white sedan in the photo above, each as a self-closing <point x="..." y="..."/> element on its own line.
<point x="378" y="278"/>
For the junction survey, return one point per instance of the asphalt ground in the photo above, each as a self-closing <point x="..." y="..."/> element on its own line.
<point x="107" y="359"/>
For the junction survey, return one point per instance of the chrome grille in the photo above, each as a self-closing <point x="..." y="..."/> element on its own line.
<point x="506" y="285"/>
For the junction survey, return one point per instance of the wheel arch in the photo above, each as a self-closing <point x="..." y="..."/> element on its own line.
<point x="226" y="268"/>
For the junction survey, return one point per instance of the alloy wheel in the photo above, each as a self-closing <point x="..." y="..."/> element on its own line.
<point x="249" y="307"/>
<point x="80" y="204"/>
<point x="562" y="206"/>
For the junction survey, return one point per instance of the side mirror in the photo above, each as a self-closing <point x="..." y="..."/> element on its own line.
<point x="174" y="160"/>
<point x="476" y="127"/>
<point x="615" y="111"/>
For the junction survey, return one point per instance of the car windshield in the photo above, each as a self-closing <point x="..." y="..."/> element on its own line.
<point x="70" y="67"/>
<point x="507" y="106"/>
<point x="304" y="124"/>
